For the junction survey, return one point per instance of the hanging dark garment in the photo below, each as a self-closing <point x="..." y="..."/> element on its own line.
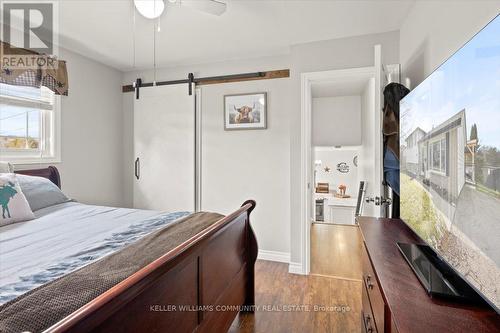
<point x="393" y="93"/>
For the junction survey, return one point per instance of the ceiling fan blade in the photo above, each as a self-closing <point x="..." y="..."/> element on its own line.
<point x="213" y="7"/>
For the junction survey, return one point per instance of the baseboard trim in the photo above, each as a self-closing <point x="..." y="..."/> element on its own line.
<point x="295" y="268"/>
<point x="274" y="256"/>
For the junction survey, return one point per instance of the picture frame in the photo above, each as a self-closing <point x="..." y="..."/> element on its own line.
<point x="245" y="111"/>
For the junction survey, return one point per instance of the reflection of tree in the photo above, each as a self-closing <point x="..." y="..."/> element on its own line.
<point x="19" y="142"/>
<point x="484" y="164"/>
<point x="488" y="158"/>
<point x="473" y="132"/>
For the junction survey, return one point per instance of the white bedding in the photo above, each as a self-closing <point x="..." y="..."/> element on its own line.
<point x="66" y="237"/>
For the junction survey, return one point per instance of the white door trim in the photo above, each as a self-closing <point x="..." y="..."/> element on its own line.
<point x="379" y="79"/>
<point x="197" y="149"/>
<point x="306" y="167"/>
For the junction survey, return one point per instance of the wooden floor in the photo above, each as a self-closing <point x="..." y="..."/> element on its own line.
<point x="336" y="251"/>
<point x="330" y="304"/>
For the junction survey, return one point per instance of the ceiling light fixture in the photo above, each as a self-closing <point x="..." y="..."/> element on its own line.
<point x="150" y="9"/>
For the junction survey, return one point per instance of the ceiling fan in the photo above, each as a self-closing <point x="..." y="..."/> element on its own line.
<point x="152" y="9"/>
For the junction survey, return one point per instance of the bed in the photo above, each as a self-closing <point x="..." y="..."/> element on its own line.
<point x="139" y="271"/>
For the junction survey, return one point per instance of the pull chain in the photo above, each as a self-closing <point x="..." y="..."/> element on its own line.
<point x="154" y="54"/>
<point x="133" y="35"/>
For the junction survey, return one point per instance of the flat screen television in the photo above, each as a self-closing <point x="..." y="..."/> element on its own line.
<point x="450" y="163"/>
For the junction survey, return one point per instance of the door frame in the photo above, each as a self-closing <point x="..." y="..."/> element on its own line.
<point x="197" y="149"/>
<point x="306" y="169"/>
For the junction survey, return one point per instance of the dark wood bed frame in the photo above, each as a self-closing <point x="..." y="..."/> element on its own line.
<point x="211" y="275"/>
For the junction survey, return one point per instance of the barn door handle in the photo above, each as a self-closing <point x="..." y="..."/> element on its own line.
<point x="137" y="168"/>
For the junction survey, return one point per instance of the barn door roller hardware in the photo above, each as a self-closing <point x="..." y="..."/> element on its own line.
<point x="209" y="80"/>
<point x="136" y="85"/>
<point x="190" y="83"/>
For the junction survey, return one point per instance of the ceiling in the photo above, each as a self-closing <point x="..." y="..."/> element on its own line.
<point x="103" y="29"/>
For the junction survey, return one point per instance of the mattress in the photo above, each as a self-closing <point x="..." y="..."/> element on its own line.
<point x="66" y="237"/>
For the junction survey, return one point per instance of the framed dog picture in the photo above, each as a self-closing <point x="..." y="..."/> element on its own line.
<point x="245" y="111"/>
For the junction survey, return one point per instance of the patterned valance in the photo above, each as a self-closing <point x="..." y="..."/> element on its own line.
<point x="22" y="67"/>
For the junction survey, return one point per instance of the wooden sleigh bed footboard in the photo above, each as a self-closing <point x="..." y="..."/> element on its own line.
<point x="200" y="285"/>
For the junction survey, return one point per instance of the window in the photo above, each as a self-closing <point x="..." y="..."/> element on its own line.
<point x="29" y="125"/>
<point x="438" y="155"/>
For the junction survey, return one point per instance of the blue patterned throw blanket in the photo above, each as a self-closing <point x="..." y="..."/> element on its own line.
<point x="65" y="238"/>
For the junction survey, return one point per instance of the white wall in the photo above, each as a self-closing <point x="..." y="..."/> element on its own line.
<point x="91" y="130"/>
<point x="366" y="171"/>
<point x="91" y="167"/>
<point x="252" y="164"/>
<point x="336" y="121"/>
<point x="330" y="157"/>
<point x="434" y="30"/>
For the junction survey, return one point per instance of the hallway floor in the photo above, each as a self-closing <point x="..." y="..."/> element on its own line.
<point x="336" y="251"/>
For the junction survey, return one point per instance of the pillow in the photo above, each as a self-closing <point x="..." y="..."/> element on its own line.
<point x="13" y="204"/>
<point x="41" y="192"/>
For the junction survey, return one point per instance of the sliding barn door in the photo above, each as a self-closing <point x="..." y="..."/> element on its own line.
<point x="164" y="145"/>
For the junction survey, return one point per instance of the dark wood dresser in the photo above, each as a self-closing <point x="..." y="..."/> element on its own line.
<point x="394" y="300"/>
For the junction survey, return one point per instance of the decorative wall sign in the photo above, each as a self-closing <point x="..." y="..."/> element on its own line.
<point x="343" y="167"/>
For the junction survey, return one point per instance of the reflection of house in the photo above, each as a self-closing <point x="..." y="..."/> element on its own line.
<point x="441" y="157"/>
<point x="411" y="152"/>
<point x="402" y="156"/>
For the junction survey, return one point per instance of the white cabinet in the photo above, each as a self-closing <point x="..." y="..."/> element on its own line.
<point x="341" y="214"/>
<point x="336" y="210"/>
<point x="342" y="211"/>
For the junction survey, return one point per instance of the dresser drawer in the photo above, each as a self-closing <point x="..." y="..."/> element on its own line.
<point x="367" y="322"/>
<point x="374" y="294"/>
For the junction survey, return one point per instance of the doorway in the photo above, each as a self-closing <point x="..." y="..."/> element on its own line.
<point x="362" y="86"/>
<point x="342" y="156"/>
